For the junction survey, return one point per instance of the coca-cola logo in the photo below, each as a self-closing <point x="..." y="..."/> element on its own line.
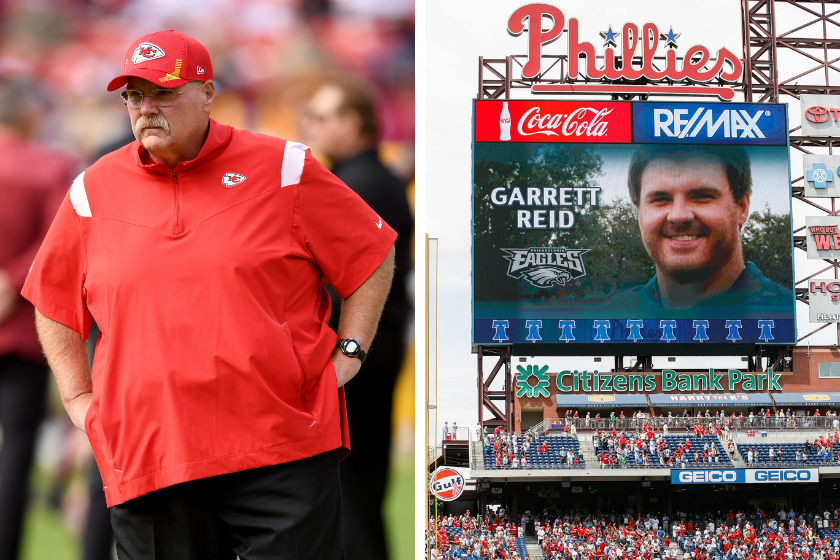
<point x="553" y="121"/>
<point x="817" y="114"/>
<point x="582" y="121"/>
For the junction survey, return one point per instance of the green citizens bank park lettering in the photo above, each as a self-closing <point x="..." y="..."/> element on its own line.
<point x="575" y="381"/>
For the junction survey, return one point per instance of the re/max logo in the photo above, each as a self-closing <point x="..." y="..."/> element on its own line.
<point x="734" y="123"/>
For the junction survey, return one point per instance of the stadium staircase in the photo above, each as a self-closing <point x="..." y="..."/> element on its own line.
<point x="477" y="455"/>
<point x="533" y="548"/>
<point x="588" y="450"/>
<point x="676" y="551"/>
<point x="738" y="460"/>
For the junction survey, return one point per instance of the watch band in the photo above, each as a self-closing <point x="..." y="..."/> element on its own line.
<point x="351" y="348"/>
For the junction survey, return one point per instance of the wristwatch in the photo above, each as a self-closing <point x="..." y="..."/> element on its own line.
<point x="351" y="348"/>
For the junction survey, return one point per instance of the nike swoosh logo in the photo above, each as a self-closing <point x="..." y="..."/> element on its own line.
<point x="379" y="225"/>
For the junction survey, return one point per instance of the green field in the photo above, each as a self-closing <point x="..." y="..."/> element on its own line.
<point x="47" y="538"/>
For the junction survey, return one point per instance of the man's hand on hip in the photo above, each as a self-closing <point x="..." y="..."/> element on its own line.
<point x="360" y="313"/>
<point x="346" y="367"/>
<point x="77" y="409"/>
<point x="67" y="355"/>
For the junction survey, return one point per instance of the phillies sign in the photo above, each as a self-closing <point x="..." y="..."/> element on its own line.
<point x="553" y="121"/>
<point x="696" y="64"/>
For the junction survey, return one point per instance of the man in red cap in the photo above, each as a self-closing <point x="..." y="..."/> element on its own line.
<point x="214" y="406"/>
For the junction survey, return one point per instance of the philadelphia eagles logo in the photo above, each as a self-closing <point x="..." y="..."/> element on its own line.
<point x="545" y="267"/>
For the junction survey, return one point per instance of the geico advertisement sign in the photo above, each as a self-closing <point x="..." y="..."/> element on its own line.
<point x="728" y="476"/>
<point x="738" y="476"/>
<point x="782" y="475"/>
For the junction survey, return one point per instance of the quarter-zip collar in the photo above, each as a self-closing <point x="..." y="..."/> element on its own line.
<point x="218" y="138"/>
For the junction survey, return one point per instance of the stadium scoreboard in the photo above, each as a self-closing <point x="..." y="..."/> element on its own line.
<point x="582" y="210"/>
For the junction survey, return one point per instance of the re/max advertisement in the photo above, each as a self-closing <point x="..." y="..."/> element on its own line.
<point x="631" y="222"/>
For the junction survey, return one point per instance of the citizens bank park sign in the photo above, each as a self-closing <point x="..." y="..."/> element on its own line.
<point x="569" y="243"/>
<point x="534" y="381"/>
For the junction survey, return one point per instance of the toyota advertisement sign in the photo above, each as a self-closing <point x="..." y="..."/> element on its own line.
<point x="820" y="115"/>
<point x="631" y="222"/>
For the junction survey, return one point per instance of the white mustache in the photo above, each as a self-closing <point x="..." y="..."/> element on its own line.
<point x="151" y="121"/>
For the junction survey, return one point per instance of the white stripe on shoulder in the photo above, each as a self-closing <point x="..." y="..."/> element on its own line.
<point x="79" y="198"/>
<point x="293" y="157"/>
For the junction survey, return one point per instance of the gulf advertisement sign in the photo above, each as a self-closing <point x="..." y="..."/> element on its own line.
<point x="552" y="121"/>
<point x="447" y="484"/>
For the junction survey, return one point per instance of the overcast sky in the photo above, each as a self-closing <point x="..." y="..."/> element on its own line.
<point x="457" y="33"/>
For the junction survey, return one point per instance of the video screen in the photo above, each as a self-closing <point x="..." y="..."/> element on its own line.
<point x="631" y="222"/>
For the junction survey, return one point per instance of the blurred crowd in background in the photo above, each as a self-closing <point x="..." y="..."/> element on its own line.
<point x="269" y="57"/>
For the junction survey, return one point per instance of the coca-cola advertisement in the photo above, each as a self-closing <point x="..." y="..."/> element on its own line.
<point x="631" y="222"/>
<point x="552" y="121"/>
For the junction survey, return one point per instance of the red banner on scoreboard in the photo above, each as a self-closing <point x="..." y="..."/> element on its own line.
<point x="553" y="121"/>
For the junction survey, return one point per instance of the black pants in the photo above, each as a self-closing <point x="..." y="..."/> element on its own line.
<point x="364" y="473"/>
<point x="283" y="512"/>
<point x="23" y="386"/>
<point x="97" y="536"/>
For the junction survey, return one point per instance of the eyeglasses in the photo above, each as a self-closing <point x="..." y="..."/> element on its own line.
<point x="161" y="97"/>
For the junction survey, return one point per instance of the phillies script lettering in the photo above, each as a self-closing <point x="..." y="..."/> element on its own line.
<point x="581" y="121"/>
<point x="693" y="64"/>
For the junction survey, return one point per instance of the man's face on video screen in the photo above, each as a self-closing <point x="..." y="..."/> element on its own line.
<point x="689" y="220"/>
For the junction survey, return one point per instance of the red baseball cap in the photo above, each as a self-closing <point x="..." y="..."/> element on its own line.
<point x="166" y="58"/>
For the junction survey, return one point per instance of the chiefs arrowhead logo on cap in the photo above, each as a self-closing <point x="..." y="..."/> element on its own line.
<point x="232" y="179"/>
<point x="145" y="52"/>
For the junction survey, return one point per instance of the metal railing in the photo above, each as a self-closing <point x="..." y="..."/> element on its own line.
<point x="687" y="423"/>
<point x="456" y="434"/>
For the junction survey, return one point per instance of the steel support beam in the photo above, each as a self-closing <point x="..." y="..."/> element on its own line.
<point x="498" y="402"/>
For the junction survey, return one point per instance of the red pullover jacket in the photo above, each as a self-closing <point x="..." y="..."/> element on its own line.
<point x="207" y="282"/>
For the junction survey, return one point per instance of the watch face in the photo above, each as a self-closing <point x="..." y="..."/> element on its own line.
<point x="351" y="346"/>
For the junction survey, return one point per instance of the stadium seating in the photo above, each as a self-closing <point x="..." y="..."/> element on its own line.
<point x="673" y="442"/>
<point x="520" y="547"/>
<point x="788" y="455"/>
<point x="830" y="534"/>
<point x="550" y="460"/>
<point x="565" y="533"/>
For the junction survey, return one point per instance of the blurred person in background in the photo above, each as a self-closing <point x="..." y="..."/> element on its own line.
<point x="340" y="123"/>
<point x="33" y="180"/>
